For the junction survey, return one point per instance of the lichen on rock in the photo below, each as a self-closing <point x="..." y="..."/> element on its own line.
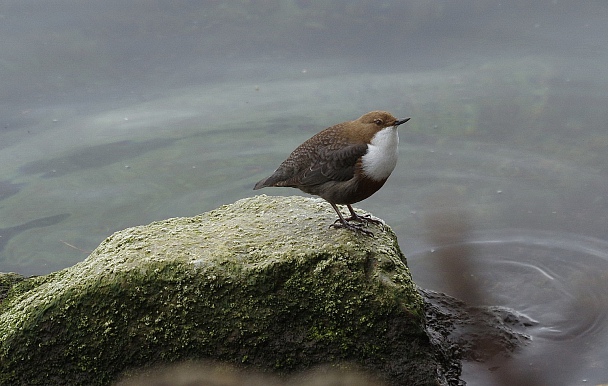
<point x="261" y="283"/>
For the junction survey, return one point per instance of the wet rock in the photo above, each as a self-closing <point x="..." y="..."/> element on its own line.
<point x="474" y="332"/>
<point x="262" y="283"/>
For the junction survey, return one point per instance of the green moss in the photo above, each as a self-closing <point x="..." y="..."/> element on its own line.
<point x="7" y="282"/>
<point x="246" y="283"/>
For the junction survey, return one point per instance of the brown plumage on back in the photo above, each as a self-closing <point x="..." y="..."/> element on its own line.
<point x="343" y="164"/>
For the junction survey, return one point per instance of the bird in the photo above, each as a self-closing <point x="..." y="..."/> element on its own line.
<point x="343" y="164"/>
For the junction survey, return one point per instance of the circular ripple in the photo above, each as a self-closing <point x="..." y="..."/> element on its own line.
<point x="557" y="279"/>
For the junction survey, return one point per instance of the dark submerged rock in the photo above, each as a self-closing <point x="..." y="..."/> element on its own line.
<point x="473" y="332"/>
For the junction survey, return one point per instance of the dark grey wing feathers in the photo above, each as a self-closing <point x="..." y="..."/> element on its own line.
<point x="333" y="165"/>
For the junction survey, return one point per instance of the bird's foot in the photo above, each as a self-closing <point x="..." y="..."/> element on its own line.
<point x="353" y="227"/>
<point x="366" y="218"/>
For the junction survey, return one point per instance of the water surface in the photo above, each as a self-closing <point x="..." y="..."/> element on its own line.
<point x="115" y="115"/>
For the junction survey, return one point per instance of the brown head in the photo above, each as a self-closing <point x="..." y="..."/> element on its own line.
<point x="363" y="128"/>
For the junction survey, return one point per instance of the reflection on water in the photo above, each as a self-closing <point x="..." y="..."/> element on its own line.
<point x="7" y="233"/>
<point x="535" y="272"/>
<point x="149" y="111"/>
<point x="556" y="279"/>
<point x="93" y="157"/>
<point x="7" y="189"/>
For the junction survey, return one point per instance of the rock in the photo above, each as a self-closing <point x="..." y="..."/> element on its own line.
<point x="475" y="333"/>
<point x="8" y="281"/>
<point x="262" y="283"/>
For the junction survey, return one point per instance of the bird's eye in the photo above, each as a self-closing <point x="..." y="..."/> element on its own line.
<point x="378" y="121"/>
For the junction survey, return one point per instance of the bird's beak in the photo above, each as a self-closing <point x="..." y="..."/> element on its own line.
<point x="400" y="121"/>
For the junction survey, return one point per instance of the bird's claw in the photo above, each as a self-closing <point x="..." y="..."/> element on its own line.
<point x="366" y="218"/>
<point x="353" y="227"/>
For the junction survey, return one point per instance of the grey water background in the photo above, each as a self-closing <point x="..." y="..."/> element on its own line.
<point x="115" y="114"/>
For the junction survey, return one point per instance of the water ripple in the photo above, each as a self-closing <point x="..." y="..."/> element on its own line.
<point x="556" y="278"/>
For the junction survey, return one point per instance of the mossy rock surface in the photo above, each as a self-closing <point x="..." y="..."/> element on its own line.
<point x="262" y="283"/>
<point x="8" y="281"/>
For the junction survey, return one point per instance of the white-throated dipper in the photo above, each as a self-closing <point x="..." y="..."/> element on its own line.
<point x="343" y="164"/>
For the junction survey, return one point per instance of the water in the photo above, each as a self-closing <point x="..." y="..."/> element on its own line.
<point x="557" y="279"/>
<point x="115" y="115"/>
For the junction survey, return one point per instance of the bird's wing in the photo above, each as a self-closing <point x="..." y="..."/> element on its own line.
<point x="332" y="164"/>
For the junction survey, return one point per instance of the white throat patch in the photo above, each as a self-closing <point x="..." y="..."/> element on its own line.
<point x="381" y="157"/>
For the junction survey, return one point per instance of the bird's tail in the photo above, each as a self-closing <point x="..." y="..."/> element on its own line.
<point x="261" y="184"/>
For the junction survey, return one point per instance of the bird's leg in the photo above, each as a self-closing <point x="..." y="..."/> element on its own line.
<point x="362" y="219"/>
<point x="342" y="223"/>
